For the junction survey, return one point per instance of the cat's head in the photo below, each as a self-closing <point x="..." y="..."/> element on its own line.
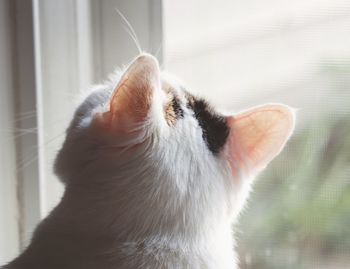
<point x="164" y="158"/>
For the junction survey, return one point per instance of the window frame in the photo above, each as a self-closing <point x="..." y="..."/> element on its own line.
<point x="82" y="28"/>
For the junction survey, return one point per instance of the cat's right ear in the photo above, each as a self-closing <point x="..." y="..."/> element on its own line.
<point x="136" y="98"/>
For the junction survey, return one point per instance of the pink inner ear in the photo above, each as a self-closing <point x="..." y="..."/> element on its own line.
<point x="131" y="101"/>
<point x="258" y="135"/>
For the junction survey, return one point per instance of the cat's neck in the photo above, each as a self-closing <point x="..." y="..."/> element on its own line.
<point x="82" y="228"/>
<point x="85" y="217"/>
<point x="90" y="252"/>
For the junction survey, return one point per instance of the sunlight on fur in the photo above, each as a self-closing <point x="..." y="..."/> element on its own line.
<point x="146" y="192"/>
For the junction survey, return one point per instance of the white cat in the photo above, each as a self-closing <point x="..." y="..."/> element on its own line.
<point x="154" y="178"/>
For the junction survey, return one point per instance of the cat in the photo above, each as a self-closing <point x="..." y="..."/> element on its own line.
<point x="154" y="177"/>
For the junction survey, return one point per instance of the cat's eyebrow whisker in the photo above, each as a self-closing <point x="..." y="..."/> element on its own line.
<point x="131" y="31"/>
<point x="133" y="38"/>
<point x="158" y="50"/>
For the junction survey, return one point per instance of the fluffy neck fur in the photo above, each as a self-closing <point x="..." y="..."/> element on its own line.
<point x="154" y="178"/>
<point x="87" y="231"/>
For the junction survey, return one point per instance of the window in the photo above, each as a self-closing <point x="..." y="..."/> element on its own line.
<point x="238" y="54"/>
<point x="52" y="51"/>
<point x="245" y="53"/>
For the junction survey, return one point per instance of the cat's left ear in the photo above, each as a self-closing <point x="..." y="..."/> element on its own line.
<point x="133" y="102"/>
<point x="257" y="136"/>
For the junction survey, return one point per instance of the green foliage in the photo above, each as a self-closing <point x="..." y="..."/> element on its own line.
<point x="299" y="213"/>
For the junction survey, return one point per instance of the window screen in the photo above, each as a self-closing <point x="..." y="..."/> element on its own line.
<point x="244" y="53"/>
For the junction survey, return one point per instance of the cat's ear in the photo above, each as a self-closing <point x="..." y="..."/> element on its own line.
<point x="257" y="136"/>
<point x="133" y="100"/>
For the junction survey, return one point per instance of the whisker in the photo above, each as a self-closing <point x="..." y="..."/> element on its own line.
<point x="32" y="151"/>
<point x="34" y="155"/>
<point x="24" y="132"/>
<point x="158" y="50"/>
<point x="132" y="32"/>
<point x="25" y="164"/>
<point x="18" y="132"/>
<point x="24" y="117"/>
<point x="24" y="129"/>
<point x="54" y="138"/>
<point x="49" y="141"/>
<point x="133" y="38"/>
<point x="74" y="95"/>
<point x="27" y="112"/>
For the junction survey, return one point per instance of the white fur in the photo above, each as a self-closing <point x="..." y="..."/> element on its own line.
<point x="168" y="203"/>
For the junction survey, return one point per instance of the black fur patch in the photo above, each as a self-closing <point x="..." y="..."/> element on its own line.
<point x="177" y="108"/>
<point x="215" y="129"/>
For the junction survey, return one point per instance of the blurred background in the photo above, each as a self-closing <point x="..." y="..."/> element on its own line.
<point x="237" y="53"/>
